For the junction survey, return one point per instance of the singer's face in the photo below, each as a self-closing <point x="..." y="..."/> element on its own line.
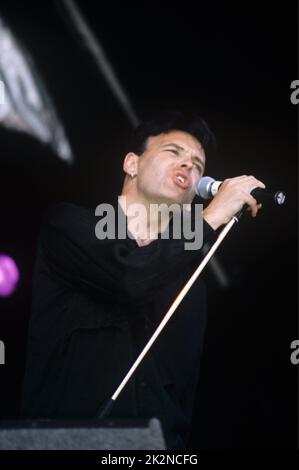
<point x="170" y="167"/>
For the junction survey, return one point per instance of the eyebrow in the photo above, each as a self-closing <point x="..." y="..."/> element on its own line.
<point x="178" y="147"/>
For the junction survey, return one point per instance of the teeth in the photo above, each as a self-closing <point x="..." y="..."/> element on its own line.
<point x="181" y="179"/>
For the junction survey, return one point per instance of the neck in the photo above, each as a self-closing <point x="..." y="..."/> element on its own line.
<point x="144" y="221"/>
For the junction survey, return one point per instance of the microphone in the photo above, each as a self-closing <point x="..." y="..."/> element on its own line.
<point x="207" y="188"/>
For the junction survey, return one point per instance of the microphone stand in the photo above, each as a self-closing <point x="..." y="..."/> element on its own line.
<point x="105" y="409"/>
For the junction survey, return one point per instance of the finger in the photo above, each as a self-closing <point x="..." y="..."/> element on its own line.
<point x="255" y="186"/>
<point x="252" y="203"/>
<point x="254" y="182"/>
<point x="257" y="183"/>
<point x="260" y="184"/>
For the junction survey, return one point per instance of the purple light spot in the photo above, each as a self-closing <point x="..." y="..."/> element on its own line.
<point x="9" y="275"/>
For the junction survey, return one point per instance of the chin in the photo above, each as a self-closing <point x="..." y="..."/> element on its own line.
<point x="176" y="196"/>
<point x="174" y="199"/>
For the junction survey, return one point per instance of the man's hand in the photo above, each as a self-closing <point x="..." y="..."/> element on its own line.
<point x="231" y="197"/>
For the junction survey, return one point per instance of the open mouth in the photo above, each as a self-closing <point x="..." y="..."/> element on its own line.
<point x="181" y="180"/>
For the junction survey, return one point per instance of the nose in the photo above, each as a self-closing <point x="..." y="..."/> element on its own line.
<point x="186" y="163"/>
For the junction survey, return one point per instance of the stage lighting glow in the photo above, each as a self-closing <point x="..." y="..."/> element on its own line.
<point x="9" y="275"/>
<point x="26" y="105"/>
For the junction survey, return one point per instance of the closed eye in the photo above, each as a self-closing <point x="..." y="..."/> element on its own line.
<point x="177" y="153"/>
<point x="173" y="151"/>
<point x="198" y="166"/>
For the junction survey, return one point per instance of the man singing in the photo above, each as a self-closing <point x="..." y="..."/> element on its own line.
<point x="96" y="302"/>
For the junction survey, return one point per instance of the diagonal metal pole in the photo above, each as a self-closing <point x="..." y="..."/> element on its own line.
<point x="105" y="409"/>
<point x="101" y="60"/>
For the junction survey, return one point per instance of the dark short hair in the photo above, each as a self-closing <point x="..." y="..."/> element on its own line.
<point x="168" y="121"/>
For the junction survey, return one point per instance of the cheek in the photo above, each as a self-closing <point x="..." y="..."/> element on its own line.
<point x="148" y="177"/>
<point x="195" y="180"/>
<point x="155" y="170"/>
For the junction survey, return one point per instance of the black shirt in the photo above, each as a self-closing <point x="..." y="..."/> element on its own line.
<point x="95" y="305"/>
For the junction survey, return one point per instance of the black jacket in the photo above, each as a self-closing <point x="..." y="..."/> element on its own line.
<point x="95" y="304"/>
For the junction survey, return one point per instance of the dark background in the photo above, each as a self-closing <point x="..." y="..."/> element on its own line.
<point x="234" y="65"/>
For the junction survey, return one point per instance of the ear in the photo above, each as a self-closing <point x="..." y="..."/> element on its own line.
<point x="130" y="165"/>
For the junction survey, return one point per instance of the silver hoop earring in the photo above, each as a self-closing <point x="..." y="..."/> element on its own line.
<point x="132" y="175"/>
